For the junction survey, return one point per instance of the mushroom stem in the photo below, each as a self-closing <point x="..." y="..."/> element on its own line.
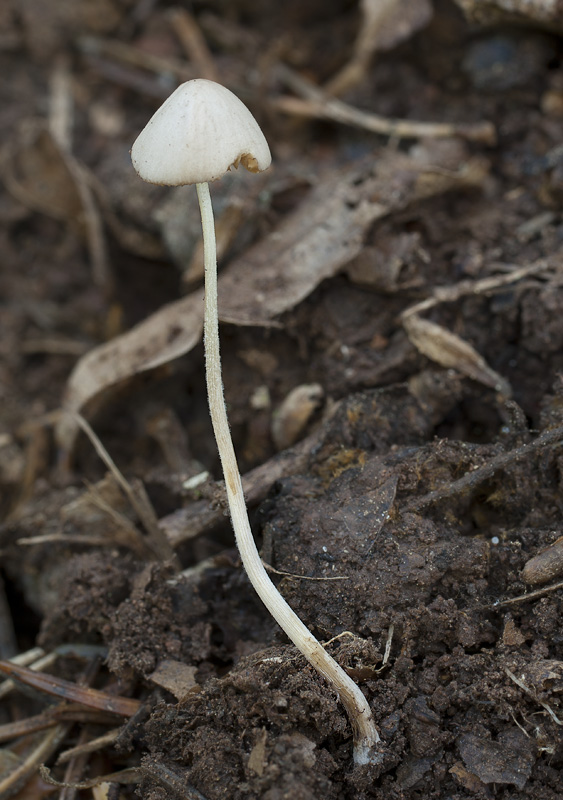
<point x="366" y="737"/>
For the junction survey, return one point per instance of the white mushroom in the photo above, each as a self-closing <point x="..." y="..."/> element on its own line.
<point x="196" y="136"/>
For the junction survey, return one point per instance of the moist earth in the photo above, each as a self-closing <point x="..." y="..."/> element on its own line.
<point x="413" y="519"/>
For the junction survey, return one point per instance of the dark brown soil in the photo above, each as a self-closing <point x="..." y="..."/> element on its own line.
<point x="413" y="519"/>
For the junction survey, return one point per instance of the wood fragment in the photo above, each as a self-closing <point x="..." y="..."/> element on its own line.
<point x="187" y="523"/>
<point x="546" y="565"/>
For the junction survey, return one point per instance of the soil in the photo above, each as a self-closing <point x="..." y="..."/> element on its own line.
<point x="407" y="498"/>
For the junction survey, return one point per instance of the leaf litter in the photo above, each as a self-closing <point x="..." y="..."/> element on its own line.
<point x="417" y="287"/>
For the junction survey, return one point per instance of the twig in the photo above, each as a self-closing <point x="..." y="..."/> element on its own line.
<point x="449" y="294"/>
<point x="316" y="103"/>
<point x="187" y="523"/>
<point x="472" y="479"/>
<point x="37" y="663"/>
<point x="523" y="598"/>
<point x="67" y="690"/>
<point x="89" y="747"/>
<point x="373" y="19"/>
<point x="85" y="539"/>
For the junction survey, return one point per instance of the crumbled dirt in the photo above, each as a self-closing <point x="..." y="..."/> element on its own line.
<point x="405" y="523"/>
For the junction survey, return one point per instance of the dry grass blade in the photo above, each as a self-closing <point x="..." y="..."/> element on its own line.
<point x="484" y="286"/>
<point x="533" y="695"/>
<point x="137" y="496"/>
<point x="124" y="776"/>
<point x="47" y="745"/>
<point x="89" y="747"/>
<point x="38" y="660"/>
<point x="57" y="687"/>
<point x="525" y="598"/>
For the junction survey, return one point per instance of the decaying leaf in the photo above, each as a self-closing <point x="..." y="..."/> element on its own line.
<point x="164" y="336"/>
<point x="176" y="677"/>
<point x="257" y="757"/>
<point x="451" y="351"/>
<point x="313" y="243"/>
<point x="327" y="230"/>
<point x="509" y="760"/>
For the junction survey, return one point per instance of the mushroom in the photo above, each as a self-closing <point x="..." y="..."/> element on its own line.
<point x="196" y="136"/>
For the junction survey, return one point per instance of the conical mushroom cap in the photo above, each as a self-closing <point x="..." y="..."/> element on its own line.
<point x="200" y="132"/>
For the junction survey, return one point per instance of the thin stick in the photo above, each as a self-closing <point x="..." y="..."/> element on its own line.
<point x="317" y="103"/>
<point x="366" y="736"/>
<point x="470" y="480"/>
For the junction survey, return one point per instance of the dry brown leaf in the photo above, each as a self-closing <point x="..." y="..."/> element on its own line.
<point x="452" y="352"/>
<point x="313" y="243"/>
<point x="327" y="230"/>
<point x="169" y="333"/>
<point x="509" y="760"/>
